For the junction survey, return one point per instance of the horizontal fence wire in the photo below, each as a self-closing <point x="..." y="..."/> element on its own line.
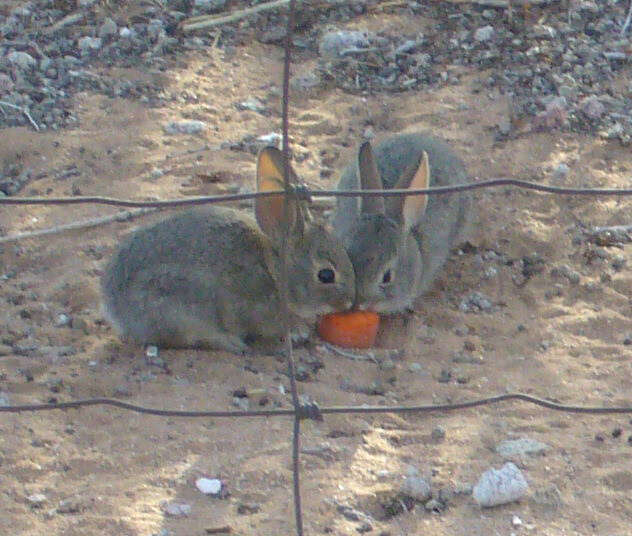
<point x="313" y="411"/>
<point x="306" y="193"/>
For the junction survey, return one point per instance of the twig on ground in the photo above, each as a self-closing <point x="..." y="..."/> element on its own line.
<point x="209" y="21"/>
<point x="350" y="355"/>
<point x="126" y="215"/>
<point x="66" y="21"/>
<point x="628" y="19"/>
<point x="23" y="110"/>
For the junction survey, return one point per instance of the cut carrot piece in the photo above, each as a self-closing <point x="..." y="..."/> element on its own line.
<point x="351" y="329"/>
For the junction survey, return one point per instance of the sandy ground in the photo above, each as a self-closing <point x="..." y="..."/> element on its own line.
<point x="105" y="471"/>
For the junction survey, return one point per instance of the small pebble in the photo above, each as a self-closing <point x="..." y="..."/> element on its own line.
<point x="416" y="487"/>
<point x="511" y="448"/>
<point x="88" y="44"/>
<point x="561" y="171"/>
<point x="592" y="107"/>
<point x="484" y="34"/>
<point x="438" y="433"/>
<point x="475" y="302"/>
<point x="108" y="28"/>
<point x="175" y="509"/>
<point x="23" y="60"/>
<point x="248" y="508"/>
<point x="185" y="127"/>
<point x="334" y="44"/>
<point x="62" y="320"/>
<point x="253" y="105"/>
<point x="37" y="499"/>
<point x="241" y="403"/>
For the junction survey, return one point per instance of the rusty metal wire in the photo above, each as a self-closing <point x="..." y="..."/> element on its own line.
<point x="315" y="412"/>
<point x="285" y="260"/>
<point x="307" y="193"/>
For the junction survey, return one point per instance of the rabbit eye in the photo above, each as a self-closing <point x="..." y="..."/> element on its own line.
<point x="386" y="278"/>
<point x="326" y="275"/>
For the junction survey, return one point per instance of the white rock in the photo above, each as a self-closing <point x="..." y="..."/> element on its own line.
<point x="36" y="499"/>
<point x="253" y="104"/>
<point x="108" y="28"/>
<point x="151" y="351"/>
<point x="23" y="60"/>
<point x="519" y="447"/>
<point x="561" y="171"/>
<point x="126" y="33"/>
<point x="88" y="44"/>
<point x="484" y="34"/>
<point x="500" y="486"/>
<point x="209" y="486"/>
<point x="185" y="127"/>
<point x="592" y="107"/>
<point x="516" y="521"/>
<point x="62" y="320"/>
<point x="272" y="138"/>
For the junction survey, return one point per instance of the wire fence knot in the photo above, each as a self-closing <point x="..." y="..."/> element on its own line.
<point x="301" y="192"/>
<point x="309" y="410"/>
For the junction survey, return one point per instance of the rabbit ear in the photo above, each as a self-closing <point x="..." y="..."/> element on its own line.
<point x="411" y="208"/>
<point x="269" y="210"/>
<point x="369" y="179"/>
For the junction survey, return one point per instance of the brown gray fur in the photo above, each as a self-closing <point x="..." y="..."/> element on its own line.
<point x="396" y="259"/>
<point x="209" y="277"/>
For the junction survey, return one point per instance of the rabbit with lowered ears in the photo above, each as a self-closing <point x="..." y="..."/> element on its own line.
<point x="397" y="245"/>
<point x="210" y="277"/>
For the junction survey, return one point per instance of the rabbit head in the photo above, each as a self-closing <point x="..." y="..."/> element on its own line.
<point x="380" y="240"/>
<point x="320" y="275"/>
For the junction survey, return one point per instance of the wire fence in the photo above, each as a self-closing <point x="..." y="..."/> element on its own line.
<point x="300" y="411"/>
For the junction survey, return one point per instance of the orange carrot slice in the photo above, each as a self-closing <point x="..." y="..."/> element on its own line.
<point x="350" y="329"/>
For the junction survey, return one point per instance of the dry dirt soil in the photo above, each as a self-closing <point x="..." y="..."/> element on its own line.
<point x="106" y="471"/>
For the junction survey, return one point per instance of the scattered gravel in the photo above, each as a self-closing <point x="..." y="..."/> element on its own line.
<point x="560" y="73"/>
<point x="476" y="302"/>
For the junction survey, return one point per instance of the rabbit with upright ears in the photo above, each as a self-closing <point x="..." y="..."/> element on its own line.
<point x="398" y="244"/>
<point x="210" y="277"/>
